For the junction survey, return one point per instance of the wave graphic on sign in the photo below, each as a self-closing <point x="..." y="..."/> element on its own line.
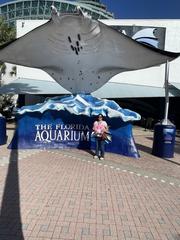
<point x="146" y="36"/>
<point x="82" y="104"/>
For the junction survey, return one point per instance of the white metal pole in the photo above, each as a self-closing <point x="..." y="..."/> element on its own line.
<point x="165" y="120"/>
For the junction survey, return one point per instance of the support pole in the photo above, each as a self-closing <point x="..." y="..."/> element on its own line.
<point x="164" y="132"/>
<point x="166" y="110"/>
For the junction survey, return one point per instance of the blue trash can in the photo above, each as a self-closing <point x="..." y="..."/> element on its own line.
<point x="3" y="137"/>
<point x="164" y="140"/>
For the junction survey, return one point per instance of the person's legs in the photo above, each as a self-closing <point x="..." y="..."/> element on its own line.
<point x="102" y="149"/>
<point x="97" y="146"/>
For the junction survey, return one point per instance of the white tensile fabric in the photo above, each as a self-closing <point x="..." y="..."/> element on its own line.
<point x="79" y="53"/>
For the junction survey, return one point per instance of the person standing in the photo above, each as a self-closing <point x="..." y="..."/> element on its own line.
<point x="100" y="127"/>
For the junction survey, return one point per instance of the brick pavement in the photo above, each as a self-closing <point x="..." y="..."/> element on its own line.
<point x="66" y="194"/>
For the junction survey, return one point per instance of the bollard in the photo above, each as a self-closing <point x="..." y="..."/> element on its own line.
<point x="3" y="137"/>
<point x="164" y="140"/>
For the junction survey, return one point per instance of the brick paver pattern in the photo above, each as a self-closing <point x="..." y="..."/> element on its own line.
<point x="66" y="194"/>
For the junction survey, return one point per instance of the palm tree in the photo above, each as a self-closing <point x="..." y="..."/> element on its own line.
<point x="7" y="34"/>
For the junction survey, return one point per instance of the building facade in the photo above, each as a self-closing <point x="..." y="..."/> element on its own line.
<point x="142" y="90"/>
<point x="38" y="9"/>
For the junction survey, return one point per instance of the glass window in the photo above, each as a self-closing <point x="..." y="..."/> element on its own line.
<point x="4" y="9"/>
<point x="48" y="7"/>
<point x="19" y="5"/>
<point x="26" y="12"/>
<point x="33" y="11"/>
<point x="71" y="8"/>
<point x="48" y="11"/>
<point x="95" y="16"/>
<point x="41" y="3"/>
<point x="63" y="7"/>
<point x="41" y="10"/>
<point x="11" y="7"/>
<point x="49" y="3"/>
<point x="19" y="13"/>
<point x="57" y="5"/>
<point x="11" y="14"/>
<point x="34" y="3"/>
<point x="41" y="7"/>
<point x="101" y="17"/>
<point x="27" y="4"/>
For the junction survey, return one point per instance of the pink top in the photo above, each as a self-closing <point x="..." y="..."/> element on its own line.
<point x="100" y="126"/>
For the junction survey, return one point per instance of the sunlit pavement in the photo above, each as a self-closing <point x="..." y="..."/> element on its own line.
<point x="66" y="194"/>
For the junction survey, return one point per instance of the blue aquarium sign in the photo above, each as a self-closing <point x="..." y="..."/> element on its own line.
<point x="67" y="123"/>
<point x="61" y="132"/>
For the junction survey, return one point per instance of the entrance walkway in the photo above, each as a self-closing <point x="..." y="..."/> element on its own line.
<point x="67" y="195"/>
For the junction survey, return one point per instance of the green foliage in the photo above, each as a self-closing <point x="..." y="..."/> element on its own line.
<point x="3" y="68"/>
<point x="7" y="33"/>
<point x="6" y="105"/>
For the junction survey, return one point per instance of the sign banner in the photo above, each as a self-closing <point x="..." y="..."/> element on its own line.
<point x="148" y="35"/>
<point x="66" y="122"/>
<point x="59" y="130"/>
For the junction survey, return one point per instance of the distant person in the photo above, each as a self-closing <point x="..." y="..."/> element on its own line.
<point x="172" y="118"/>
<point x="100" y="128"/>
<point x="149" y="123"/>
<point x="143" y="122"/>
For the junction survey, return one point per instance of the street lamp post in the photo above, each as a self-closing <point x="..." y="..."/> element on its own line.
<point x="166" y="110"/>
<point x="165" y="131"/>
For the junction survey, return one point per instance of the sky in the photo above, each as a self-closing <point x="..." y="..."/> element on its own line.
<point x="148" y="9"/>
<point x="157" y="9"/>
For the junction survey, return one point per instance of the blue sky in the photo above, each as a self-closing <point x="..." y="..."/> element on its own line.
<point x="142" y="8"/>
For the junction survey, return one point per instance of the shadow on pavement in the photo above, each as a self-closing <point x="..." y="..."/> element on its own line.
<point x="149" y="150"/>
<point x="91" y="152"/>
<point x="10" y="216"/>
<point x="171" y="161"/>
<point x="143" y="148"/>
<point x="177" y="144"/>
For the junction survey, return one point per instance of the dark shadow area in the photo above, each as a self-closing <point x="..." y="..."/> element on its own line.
<point x="149" y="150"/>
<point x="11" y="125"/>
<point x="150" y="138"/>
<point x="176" y="147"/>
<point x="91" y="152"/>
<point x="174" y="90"/>
<point x="10" y="128"/>
<point x="168" y="160"/>
<point x="153" y="107"/>
<point x="10" y="216"/>
<point x="143" y="148"/>
<point x="18" y="88"/>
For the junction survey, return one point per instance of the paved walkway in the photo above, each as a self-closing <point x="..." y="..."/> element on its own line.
<point x="66" y="194"/>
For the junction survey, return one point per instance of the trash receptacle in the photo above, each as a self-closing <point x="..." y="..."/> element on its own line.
<point x="3" y="137"/>
<point x="164" y="140"/>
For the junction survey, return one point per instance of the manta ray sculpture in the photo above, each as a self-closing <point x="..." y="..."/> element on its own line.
<point x="79" y="53"/>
